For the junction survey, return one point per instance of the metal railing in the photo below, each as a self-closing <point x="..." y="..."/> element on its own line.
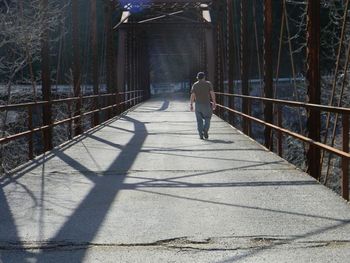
<point x="121" y="102"/>
<point x="344" y="112"/>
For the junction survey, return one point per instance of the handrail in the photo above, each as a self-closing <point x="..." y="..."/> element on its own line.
<point x="39" y="103"/>
<point x="344" y="154"/>
<point x="320" y="107"/>
<point x="293" y="134"/>
<point x="41" y="128"/>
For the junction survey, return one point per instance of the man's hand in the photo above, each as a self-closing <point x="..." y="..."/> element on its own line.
<point x="191" y="107"/>
<point x="214" y="105"/>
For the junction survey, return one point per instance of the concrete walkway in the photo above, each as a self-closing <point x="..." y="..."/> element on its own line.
<point x="145" y="188"/>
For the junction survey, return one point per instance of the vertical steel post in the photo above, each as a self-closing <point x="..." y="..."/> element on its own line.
<point x="279" y="133"/>
<point x="217" y="65"/>
<point x="231" y="56"/>
<point x="70" y="123"/>
<point x="268" y="71"/>
<point x="313" y="84"/>
<point x="30" y="127"/>
<point x="121" y="57"/>
<point x="210" y="53"/>
<point x="245" y="62"/>
<point x="127" y="69"/>
<point x="147" y="94"/>
<point x="345" y="161"/>
<point x="94" y="47"/>
<point x="220" y="64"/>
<point x="133" y="59"/>
<point x="76" y="65"/>
<point x="109" y="53"/>
<point x="46" y="81"/>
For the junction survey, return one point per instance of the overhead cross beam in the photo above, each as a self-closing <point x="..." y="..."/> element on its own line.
<point x="160" y="17"/>
<point x="161" y="4"/>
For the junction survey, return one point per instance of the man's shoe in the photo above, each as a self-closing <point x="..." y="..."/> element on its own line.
<point x="206" y="135"/>
<point x="201" y="136"/>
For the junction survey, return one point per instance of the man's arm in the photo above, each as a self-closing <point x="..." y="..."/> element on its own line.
<point x="213" y="98"/>
<point x="192" y="99"/>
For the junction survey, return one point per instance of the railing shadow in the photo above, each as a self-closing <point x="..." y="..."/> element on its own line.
<point x="85" y="221"/>
<point x="164" y="106"/>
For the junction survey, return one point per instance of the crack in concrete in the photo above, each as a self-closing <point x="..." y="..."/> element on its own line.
<point x="181" y="243"/>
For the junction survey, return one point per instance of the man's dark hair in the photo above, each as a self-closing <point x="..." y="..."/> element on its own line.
<point x="200" y="75"/>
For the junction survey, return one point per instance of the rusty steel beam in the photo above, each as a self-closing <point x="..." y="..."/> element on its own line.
<point x="46" y="82"/>
<point x="128" y="64"/>
<point x="219" y="65"/>
<point x="134" y="60"/>
<point x="313" y="85"/>
<point x="122" y="35"/>
<point x="345" y="161"/>
<point x="318" y="107"/>
<point x="245" y="59"/>
<point x="30" y="137"/>
<point x="94" y="47"/>
<point x="108" y="8"/>
<point x="76" y="65"/>
<point x="293" y="134"/>
<point x="69" y="120"/>
<point x="268" y="71"/>
<point x="147" y="88"/>
<point x="231" y="55"/>
<point x="210" y="53"/>
<point x="279" y="133"/>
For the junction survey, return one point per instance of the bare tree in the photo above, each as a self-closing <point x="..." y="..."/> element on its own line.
<point x="21" y="27"/>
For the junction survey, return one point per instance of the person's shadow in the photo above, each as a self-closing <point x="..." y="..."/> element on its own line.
<point x="220" y="141"/>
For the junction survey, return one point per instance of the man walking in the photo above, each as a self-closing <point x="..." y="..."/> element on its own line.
<point x="201" y="93"/>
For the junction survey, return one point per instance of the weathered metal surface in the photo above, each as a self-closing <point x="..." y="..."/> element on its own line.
<point x="318" y="107"/>
<point x="95" y="63"/>
<point x="245" y="61"/>
<point x="268" y="71"/>
<point x="303" y="138"/>
<point x="313" y="84"/>
<point x="231" y="55"/>
<point x="279" y="133"/>
<point x="210" y="54"/>
<point x="161" y="5"/>
<point x="30" y="137"/>
<point x="345" y="161"/>
<point x="121" y="56"/>
<point x="46" y="81"/>
<point x="110" y="54"/>
<point x="71" y="118"/>
<point x="76" y="64"/>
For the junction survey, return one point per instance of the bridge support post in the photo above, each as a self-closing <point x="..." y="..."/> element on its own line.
<point x="46" y="83"/>
<point x="134" y="61"/>
<point x="76" y="66"/>
<point x="313" y="85"/>
<point x="94" y="46"/>
<point x="345" y="161"/>
<point x="231" y="57"/>
<point x="219" y="80"/>
<point x="245" y="62"/>
<point x="121" y="58"/>
<point x="268" y="72"/>
<point x="210" y="53"/>
<point x="110" y="55"/>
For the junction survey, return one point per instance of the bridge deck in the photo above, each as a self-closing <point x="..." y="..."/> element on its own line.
<point x="144" y="188"/>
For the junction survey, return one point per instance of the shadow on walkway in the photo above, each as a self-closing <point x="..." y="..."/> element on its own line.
<point x="83" y="224"/>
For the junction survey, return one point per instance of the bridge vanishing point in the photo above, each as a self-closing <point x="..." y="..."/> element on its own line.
<point x="134" y="183"/>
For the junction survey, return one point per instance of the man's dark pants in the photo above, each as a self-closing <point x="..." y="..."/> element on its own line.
<point x="203" y="115"/>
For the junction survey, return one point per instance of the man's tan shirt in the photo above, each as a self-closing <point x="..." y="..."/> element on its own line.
<point x="201" y="90"/>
